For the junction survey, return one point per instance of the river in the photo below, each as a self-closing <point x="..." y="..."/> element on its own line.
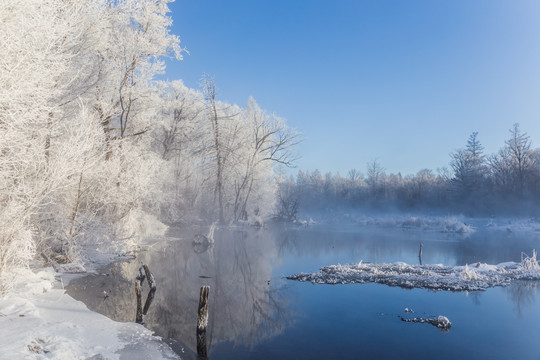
<point x="255" y="313"/>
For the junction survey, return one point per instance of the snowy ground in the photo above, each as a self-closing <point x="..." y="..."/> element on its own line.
<point x="434" y="277"/>
<point x="39" y="321"/>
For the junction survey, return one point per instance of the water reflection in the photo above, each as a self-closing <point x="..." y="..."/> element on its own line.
<point x="475" y="297"/>
<point x="522" y="295"/>
<point x="245" y="307"/>
<point x="250" y="304"/>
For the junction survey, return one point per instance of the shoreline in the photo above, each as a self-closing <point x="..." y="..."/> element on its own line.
<point x="39" y="320"/>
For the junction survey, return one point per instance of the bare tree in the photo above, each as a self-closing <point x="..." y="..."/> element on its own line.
<point x="209" y="87"/>
<point x="269" y="141"/>
<point x="519" y="148"/>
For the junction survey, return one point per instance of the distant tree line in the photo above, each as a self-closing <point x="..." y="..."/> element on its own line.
<point x="507" y="182"/>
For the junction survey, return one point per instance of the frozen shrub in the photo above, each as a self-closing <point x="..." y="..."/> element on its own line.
<point x="530" y="263"/>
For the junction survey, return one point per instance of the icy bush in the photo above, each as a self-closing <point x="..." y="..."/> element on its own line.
<point x="454" y="225"/>
<point x="139" y="224"/>
<point x="530" y="263"/>
<point x="468" y="274"/>
<point x="16" y="250"/>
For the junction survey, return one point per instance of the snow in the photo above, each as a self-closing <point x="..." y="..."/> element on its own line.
<point x="441" y="322"/>
<point x="476" y="277"/>
<point x="39" y="321"/>
<point x="512" y="225"/>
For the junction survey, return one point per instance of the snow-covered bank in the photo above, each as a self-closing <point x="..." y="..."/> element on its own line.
<point x="446" y="224"/>
<point x="511" y="225"/>
<point x="434" y="277"/>
<point x="39" y="321"/>
<point x="457" y="224"/>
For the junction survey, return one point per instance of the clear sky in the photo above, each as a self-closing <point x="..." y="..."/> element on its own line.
<point x="403" y="82"/>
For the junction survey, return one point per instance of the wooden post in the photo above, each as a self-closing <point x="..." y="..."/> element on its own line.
<point x="420" y="253"/>
<point x="139" y="316"/>
<point x="202" y="322"/>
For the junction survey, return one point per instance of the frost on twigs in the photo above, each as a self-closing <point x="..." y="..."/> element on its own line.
<point x="530" y="263"/>
<point x="476" y="277"/>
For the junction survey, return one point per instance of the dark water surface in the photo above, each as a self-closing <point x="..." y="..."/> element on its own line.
<point x="257" y="314"/>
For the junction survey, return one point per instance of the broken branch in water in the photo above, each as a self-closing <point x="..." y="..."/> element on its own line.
<point x="441" y="322"/>
<point x="138" y="292"/>
<point x="152" y="285"/>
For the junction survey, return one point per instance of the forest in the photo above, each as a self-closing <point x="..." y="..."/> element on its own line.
<point x="475" y="184"/>
<point x="94" y="148"/>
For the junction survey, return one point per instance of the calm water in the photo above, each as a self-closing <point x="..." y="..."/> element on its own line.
<point x="256" y="314"/>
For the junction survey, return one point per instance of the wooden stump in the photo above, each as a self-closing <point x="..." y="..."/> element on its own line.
<point x="139" y="316"/>
<point x="202" y="322"/>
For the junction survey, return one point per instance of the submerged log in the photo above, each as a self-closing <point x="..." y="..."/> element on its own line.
<point x="441" y="322"/>
<point x="202" y="322"/>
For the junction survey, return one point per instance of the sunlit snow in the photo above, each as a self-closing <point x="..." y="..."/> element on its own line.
<point x="471" y="277"/>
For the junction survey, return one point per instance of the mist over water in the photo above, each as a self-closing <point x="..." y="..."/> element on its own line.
<point x="256" y="313"/>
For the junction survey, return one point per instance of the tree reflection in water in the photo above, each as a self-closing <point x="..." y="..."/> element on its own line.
<point x="245" y="307"/>
<point x="523" y="295"/>
<point x="247" y="304"/>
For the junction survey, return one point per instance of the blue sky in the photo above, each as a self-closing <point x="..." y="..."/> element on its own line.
<point x="403" y="82"/>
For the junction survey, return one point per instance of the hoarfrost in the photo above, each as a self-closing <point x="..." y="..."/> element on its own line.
<point x="477" y="277"/>
<point x="441" y="322"/>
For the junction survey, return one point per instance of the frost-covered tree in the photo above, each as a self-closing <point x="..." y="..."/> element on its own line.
<point x="74" y="77"/>
<point x="91" y="146"/>
<point x="514" y="166"/>
<point x="521" y="157"/>
<point x="209" y="87"/>
<point x="376" y="178"/>
<point x="266" y="141"/>
<point x="469" y="169"/>
<point x="36" y="39"/>
<point x="180" y="137"/>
